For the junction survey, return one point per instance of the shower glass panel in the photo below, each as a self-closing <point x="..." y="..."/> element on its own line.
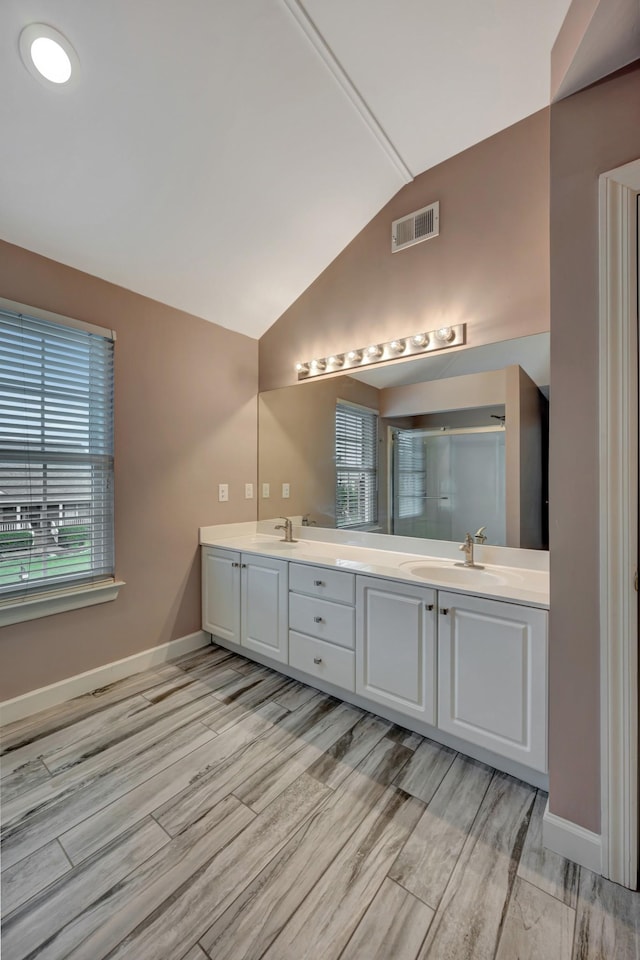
<point x="447" y="483"/>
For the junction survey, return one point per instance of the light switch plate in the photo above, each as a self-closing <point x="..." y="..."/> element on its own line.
<point x="248" y="491"/>
<point x="223" y="492"/>
<point x="266" y="491"/>
<point x="286" y="491"/>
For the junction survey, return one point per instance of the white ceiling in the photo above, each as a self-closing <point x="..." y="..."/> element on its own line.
<point x="209" y="158"/>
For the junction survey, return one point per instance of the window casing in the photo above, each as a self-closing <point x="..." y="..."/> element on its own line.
<point x="56" y="455"/>
<point x="356" y="451"/>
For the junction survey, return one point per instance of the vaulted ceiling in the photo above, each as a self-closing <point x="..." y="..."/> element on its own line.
<point x="216" y="155"/>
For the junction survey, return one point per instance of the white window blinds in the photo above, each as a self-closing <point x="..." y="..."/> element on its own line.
<point x="56" y="455"/>
<point x="356" y="466"/>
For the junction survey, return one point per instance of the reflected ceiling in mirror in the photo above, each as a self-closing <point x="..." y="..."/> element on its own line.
<point x="461" y="445"/>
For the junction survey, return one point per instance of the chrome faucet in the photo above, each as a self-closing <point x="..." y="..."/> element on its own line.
<point x="481" y="536"/>
<point x="467" y="547"/>
<point x="287" y="526"/>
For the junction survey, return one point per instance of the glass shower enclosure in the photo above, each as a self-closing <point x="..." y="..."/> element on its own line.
<point x="448" y="482"/>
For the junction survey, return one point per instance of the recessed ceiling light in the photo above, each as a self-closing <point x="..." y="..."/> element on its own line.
<point x="47" y="55"/>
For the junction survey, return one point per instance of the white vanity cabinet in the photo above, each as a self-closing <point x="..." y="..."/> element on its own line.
<point x="322" y="624"/>
<point x="396" y="646"/>
<point x="244" y="601"/>
<point x="492" y="676"/>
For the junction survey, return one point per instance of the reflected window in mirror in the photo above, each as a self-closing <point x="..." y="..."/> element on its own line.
<point x="356" y="452"/>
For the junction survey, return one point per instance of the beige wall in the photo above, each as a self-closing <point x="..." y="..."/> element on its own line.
<point x="185" y="402"/>
<point x="591" y="132"/>
<point x="297" y="446"/>
<point x="489" y="266"/>
<point x="453" y="393"/>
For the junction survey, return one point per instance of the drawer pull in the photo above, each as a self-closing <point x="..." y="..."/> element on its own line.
<point x="444" y="611"/>
<point x="318" y="583"/>
<point x="317" y="659"/>
<point x="429" y="606"/>
<point x="318" y="620"/>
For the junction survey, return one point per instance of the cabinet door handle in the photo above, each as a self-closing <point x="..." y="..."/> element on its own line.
<point x="235" y="564"/>
<point x="317" y="659"/>
<point x="429" y="606"/>
<point x="318" y="583"/>
<point x="318" y="620"/>
<point x="244" y="566"/>
<point x="444" y="611"/>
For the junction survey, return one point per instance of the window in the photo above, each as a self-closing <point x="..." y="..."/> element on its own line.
<point x="56" y="454"/>
<point x="356" y="465"/>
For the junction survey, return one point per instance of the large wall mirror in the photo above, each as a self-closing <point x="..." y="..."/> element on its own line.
<point x="435" y="446"/>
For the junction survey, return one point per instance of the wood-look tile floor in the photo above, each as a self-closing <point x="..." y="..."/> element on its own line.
<point x="213" y="808"/>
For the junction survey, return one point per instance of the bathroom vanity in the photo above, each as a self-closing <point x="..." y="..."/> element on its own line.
<point x="456" y="654"/>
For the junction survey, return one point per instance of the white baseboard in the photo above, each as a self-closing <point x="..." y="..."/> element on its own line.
<point x="51" y="696"/>
<point x="571" y="841"/>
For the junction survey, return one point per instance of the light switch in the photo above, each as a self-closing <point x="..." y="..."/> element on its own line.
<point x="266" y="491"/>
<point x="285" y="491"/>
<point x="223" y="492"/>
<point x="248" y="491"/>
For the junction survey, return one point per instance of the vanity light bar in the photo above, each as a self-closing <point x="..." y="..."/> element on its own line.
<point x="419" y="343"/>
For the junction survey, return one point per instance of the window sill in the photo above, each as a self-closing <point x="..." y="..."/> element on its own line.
<point x="46" y="604"/>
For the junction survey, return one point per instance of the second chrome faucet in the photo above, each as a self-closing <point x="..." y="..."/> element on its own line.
<point x="287" y="526"/>
<point x="467" y="546"/>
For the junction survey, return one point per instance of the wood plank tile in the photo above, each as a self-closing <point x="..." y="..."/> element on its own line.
<point x="196" y="953"/>
<point x="182" y="918"/>
<point x="284" y="740"/>
<point x="271" y="778"/>
<point x="297" y="695"/>
<point x="425" y="771"/>
<point x="178" y="707"/>
<point x="29" y="876"/>
<point x="468" y="921"/>
<point x="607" y="920"/>
<point x="204" y="762"/>
<point x="394" y="926"/>
<point x="23" y="778"/>
<point x="426" y="862"/>
<point x="545" y="869"/>
<point x="333" y="910"/>
<point x="29" y="927"/>
<point x="239" y="700"/>
<point x="65" y="714"/>
<point x="107" y="919"/>
<point x="39" y="747"/>
<point x="208" y="655"/>
<point x="257" y="916"/>
<point x="406" y="737"/>
<point x="537" y="925"/>
<point x="33" y="827"/>
<point x="340" y="760"/>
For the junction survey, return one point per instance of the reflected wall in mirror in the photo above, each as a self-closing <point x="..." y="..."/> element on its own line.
<point x="458" y="443"/>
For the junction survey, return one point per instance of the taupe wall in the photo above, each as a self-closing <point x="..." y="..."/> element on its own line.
<point x="185" y="398"/>
<point x="489" y="266"/>
<point x="592" y="132"/>
<point x="297" y="446"/>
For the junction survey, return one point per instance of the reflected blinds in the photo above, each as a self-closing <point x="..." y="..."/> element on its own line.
<point x="356" y="466"/>
<point x="56" y="455"/>
<point x="410" y="474"/>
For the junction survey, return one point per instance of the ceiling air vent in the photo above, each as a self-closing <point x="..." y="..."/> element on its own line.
<point x="417" y="226"/>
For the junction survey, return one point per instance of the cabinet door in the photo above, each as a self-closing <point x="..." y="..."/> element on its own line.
<point x="221" y="593"/>
<point x="265" y="588"/>
<point x="395" y="646"/>
<point x="492" y="683"/>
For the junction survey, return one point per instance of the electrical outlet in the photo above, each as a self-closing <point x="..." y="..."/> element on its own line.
<point x="266" y="491"/>
<point x="286" y="491"/>
<point x="248" y="491"/>
<point x="223" y="492"/>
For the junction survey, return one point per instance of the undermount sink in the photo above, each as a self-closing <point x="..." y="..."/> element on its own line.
<point x="449" y="573"/>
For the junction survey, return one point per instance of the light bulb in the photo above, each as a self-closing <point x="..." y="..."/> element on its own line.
<point x="445" y="334"/>
<point x="420" y="340"/>
<point x="336" y="361"/>
<point x="398" y="346"/>
<point x="302" y="367"/>
<point x="318" y="365"/>
<point x="354" y="356"/>
<point x="375" y="350"/>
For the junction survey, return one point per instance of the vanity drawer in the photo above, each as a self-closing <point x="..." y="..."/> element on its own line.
<point x="323" y="619"/>
<point x="320" y="582"/>
<point x="323" y="660"/>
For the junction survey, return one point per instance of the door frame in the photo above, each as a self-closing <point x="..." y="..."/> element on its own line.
<point x="618" y="440"/>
